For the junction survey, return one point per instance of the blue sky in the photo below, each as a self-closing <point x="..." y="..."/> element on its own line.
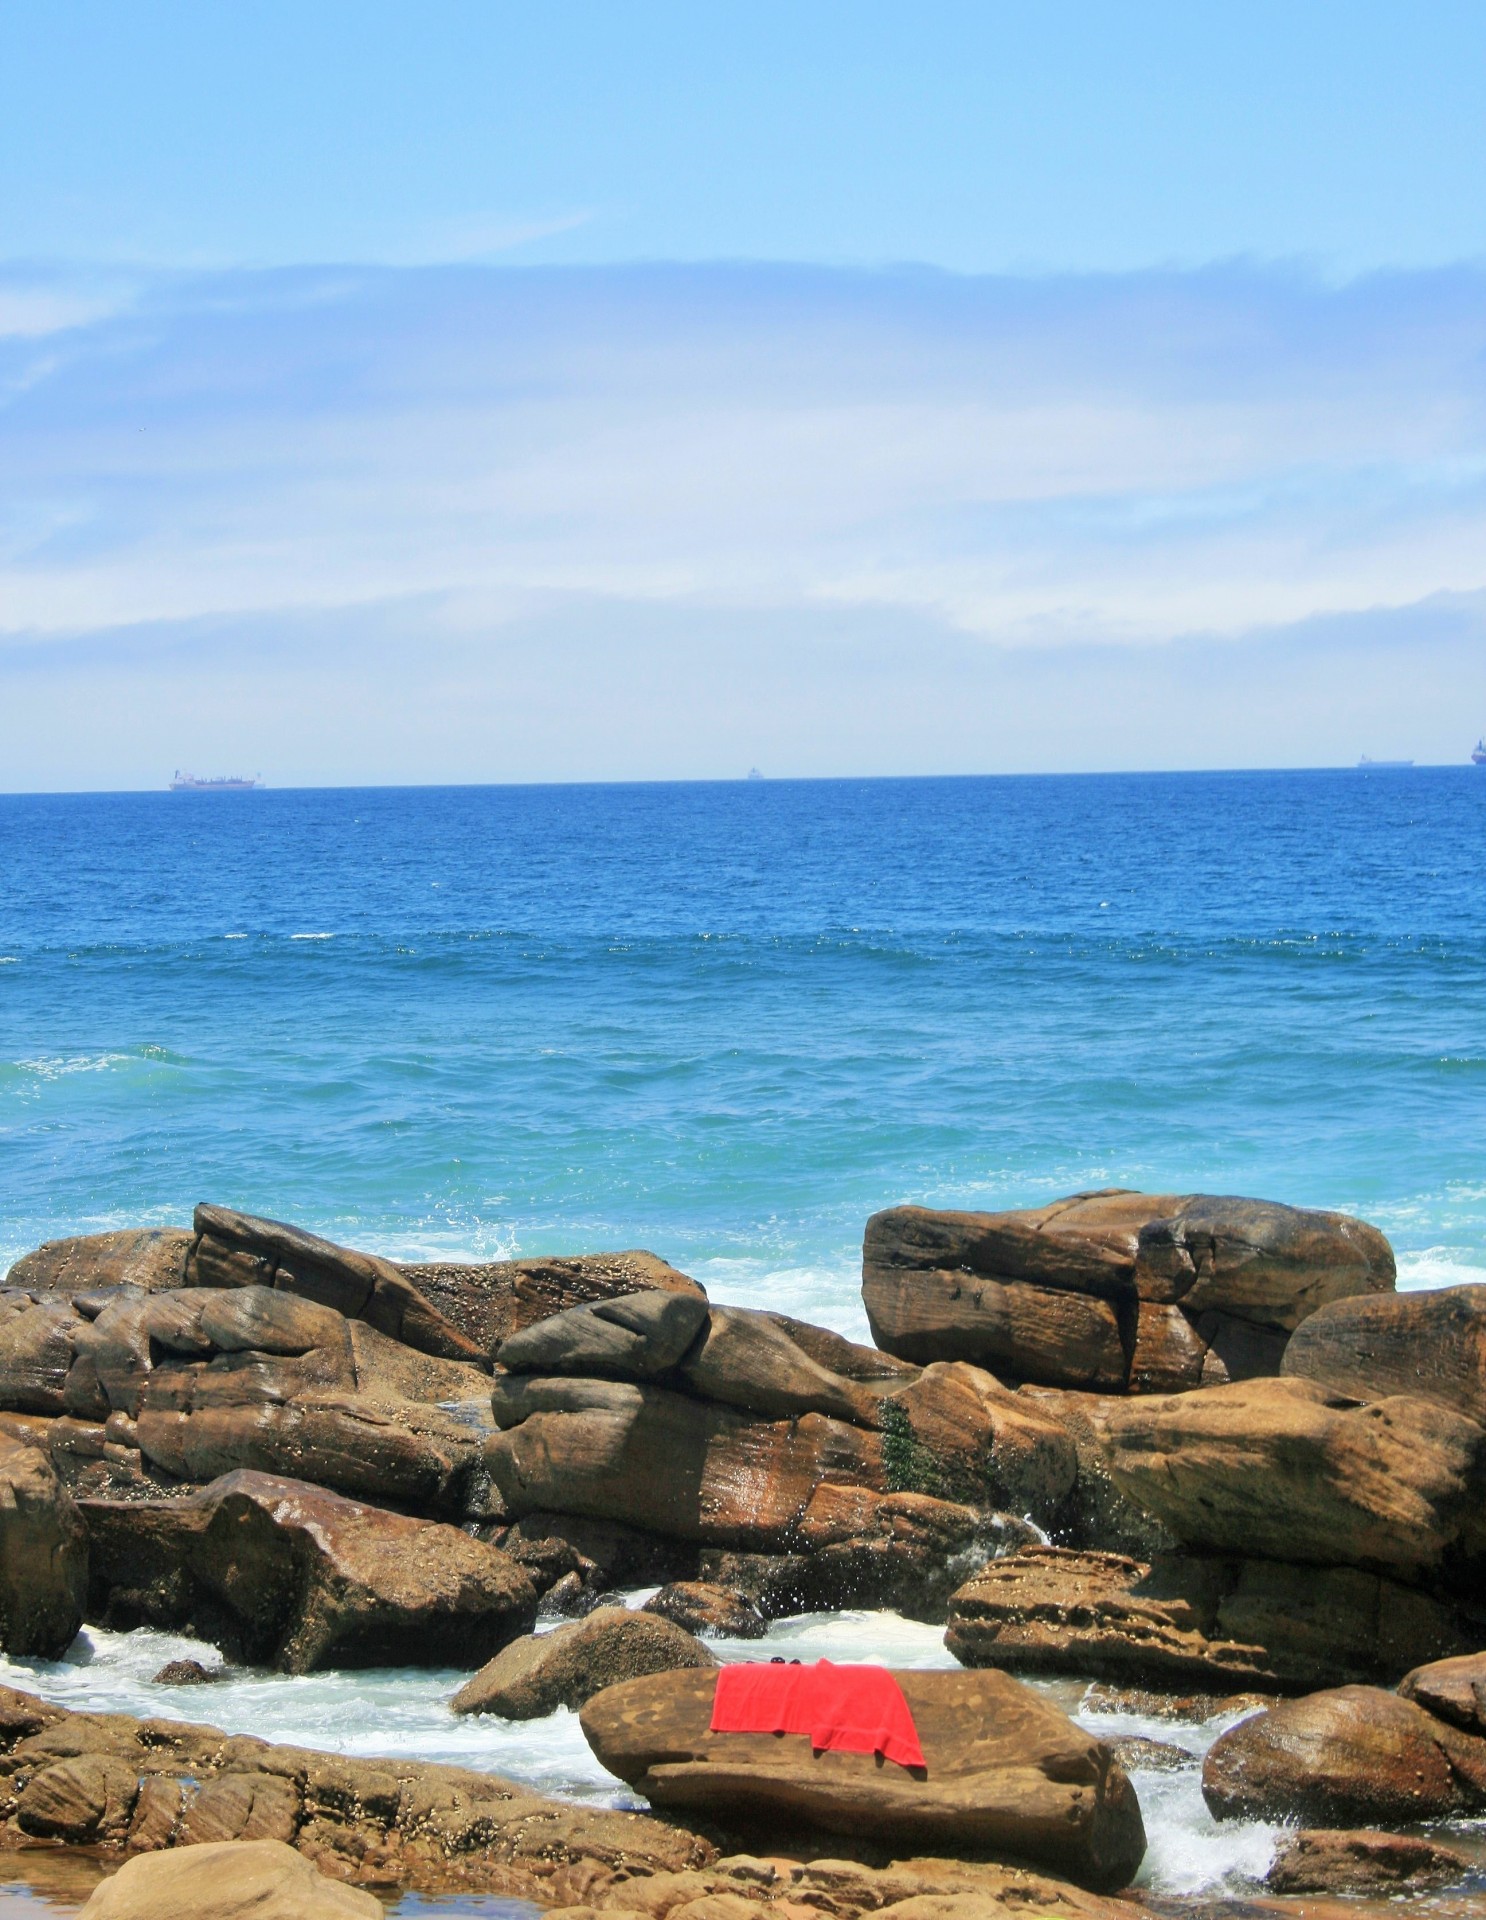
<point x="493" y="392"/>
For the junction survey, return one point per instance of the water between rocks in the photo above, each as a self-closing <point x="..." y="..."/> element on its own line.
<point x="405" y="1711"/>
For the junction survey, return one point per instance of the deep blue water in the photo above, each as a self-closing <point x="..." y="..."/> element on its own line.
<point x="728" y="1021"/>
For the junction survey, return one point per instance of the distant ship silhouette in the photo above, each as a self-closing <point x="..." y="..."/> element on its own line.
<point x="219" y="783"/>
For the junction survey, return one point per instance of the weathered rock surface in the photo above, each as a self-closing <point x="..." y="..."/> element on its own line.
<point x="120" y="1784"/>
<point x="490" y="1301"/>
<point x="151" y="1258"/>
<point x="957" y="1433"/>
<point x="1191" y="1621"/>
<point x="227" y="1880"/>
<point x="640" y="1337"/>
<point x="1352" y="1756"/>
<point x="1452" y="1690"/>
<point x="538" y="1673"/>
<point x="1321" y="1861"/>
<point x="706" y="1606"/>
<point x="1007" y="1773"/>
<point x="238" y="1249"/>
<point x="282" y="1573"/>
<point x="1289" y="1470"/>
<point x="36" y="1353"/>
<point x="43" y="1556"/>
<point x="1113" y="1291"/>
<point x="1431" y="1346"/>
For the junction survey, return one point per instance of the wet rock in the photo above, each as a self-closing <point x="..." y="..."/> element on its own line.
<point x="704" y="1606"/>
<point x="85" y="1799"/>
<point x="1351" y="1756"/>
<point x="1007" y="1774"/>
<point x="639" y="1337"/>
<point x="1097" y="1514"/>
<point x="1364" y="1863"/>
<point x="956" y="1432"/>
<point x="490" y="1301"/>
<point x="1452" y="1690"/>
<point x="538" y="1673"/>
<point x="1134" y="1750"/>
<point x="231" y="1880"/>
<point x="186" y="1673"/>
<point x="150" y="1258"/>
<point x="1068" y="1295"/>
<point x="1189" y="1621"/>
<point x="285" y="1574"/>
<point x="43" y="1556"/>
<point x="1430" y="1345"/>
<point x="1288" y="1470"/>
<point x="607" y="1553"/>
<point x="237" y="1249"/>
<point x="1104" y="1697"/>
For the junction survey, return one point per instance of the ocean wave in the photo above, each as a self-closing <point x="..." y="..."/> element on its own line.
<point x="1440" y="1267"/>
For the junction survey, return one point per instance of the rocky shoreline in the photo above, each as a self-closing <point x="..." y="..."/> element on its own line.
<point x="1175" y="1442"/>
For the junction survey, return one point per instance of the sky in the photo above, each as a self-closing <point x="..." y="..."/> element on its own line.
<point x="493" y="392"/>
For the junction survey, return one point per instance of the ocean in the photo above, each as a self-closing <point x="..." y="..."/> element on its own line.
<point x="727" y="1022"/>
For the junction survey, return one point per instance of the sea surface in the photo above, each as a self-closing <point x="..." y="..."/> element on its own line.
<point x="727" y="1022"/>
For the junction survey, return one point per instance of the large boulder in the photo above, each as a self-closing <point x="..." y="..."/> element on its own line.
<point x="1178" y="1620"/>
<point x="1323" y="1861"/>
<point x="1008" y="1774"/>
<point x="1351" y="1756"/>
<point x="284" y="1574"/>
<point x="227" y="1880"/>
<point x="239" y="1250"/>
<point x="43" y="1556"/>
<point x="540" y="1672"/>
<point x="36" y="1353"/>
<point x="1430" y="1346"/>
<point x="1290" y="1470"/>
<point x="1113" y="1291"/>
<point x="957" y="1433"/>
<point x="151" y="1258"/>
<point x="660" y="1460"/>
<point x="639" y="1337"/>
<point x="490" y="1300"/>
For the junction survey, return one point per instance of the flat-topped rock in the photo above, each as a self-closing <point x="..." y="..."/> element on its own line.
<point x="540" y="1672"/>
<point x="1429" y="1345"/>
<point x="1114" y="1291"/>
<point x="43" y="1556"/>
<point x="281" y="1573"/>
<point x="1290" y="1470"/>
<point x="150" y="1258"/>
<point x="1007" y="1774"/>
<point x="1452" y="1690"/>
<point x="1323" y="1861"/>
<point x="490" y="1300"/>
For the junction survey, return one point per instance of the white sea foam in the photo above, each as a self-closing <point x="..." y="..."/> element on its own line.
<point x="1440" y="1267"/>
<point x="406" y="1711"/>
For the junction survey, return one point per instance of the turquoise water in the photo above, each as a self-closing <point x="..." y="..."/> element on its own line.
<point x="728" y="1021"/>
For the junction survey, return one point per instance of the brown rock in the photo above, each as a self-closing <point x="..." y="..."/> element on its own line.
<point x="1053" y="1294"/>
<point x="1431" y="1346"/>
<point x="240" y="1806"/>
<point x="651" y="1458"/>
<point x="36" y="1353"/>
<point x="1185" y="1620"/>
<point x="1353" y="1756"/>
<point x="387" y="1370"/>
<point x="231" y="1880"/>
<point x="1453" y="1690"/>
<point x="1007" y="1773"/>
<point x="639" y="1337"/>
<point x="43" y="1556"/>
<point x="1360" y="1863"/>
<point x="238" y="1249"/>
<point x="1290" y="1471"/>
<point x="186" y="1673"/>
<point x="703" y="1606"/>
<point x="80" y="1800"/>
<point x="285" y="1574"/>
<point x="754" y="1362"/>
<point x="540" y="1672"/>
<point x="956" y="1432"/>
<point x="151" y="1258"/>
<point x="1134" y="1751"/>
<point x="489" y="1302"/>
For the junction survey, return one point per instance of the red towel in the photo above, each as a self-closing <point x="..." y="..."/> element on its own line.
<point x="850" y="1709"/>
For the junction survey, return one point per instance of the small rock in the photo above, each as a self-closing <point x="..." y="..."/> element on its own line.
<point x="543" y="1671"/>
<point x="186" y="1673"/>
<point x="232" y="1880"/>
<point x="1154" y="1756"/>
<point x="705" y="1606"/>
<point x="1386" y="1863"/>
<point x="1194" y="1707"/>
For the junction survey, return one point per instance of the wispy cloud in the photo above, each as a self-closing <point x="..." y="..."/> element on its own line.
<point x="1041" y="465"/>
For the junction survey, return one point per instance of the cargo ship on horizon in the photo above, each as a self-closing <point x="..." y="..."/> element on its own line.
<point x="219" y="783"/>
